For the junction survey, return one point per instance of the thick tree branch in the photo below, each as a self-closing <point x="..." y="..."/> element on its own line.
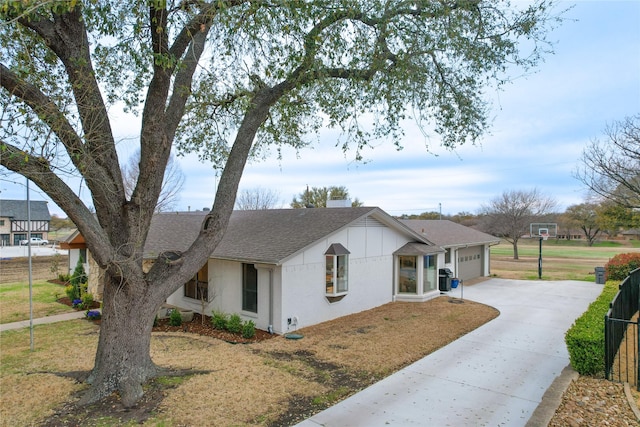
<point x="66" y="36"/>
<point x="39" y="171"/>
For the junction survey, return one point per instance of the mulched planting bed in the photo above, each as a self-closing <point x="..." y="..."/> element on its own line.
<point x="205" y="328"/>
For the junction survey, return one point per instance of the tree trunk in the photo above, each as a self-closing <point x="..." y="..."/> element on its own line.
<point x="123" y="362"/>
<point x="515" y="250"/>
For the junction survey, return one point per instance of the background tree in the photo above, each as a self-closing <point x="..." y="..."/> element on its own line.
<point x="56" y="224"/>
<point x="613" y="217"/>
<point x="423" y="215"/>
<point x="510" y="215"/>
<point x="585" y="217"/>
<point x="226" y="80"/>
<point x="172" y="182"/>
<point x="611" y="168"/>
<point x="257" y="199"/>
<point x="317" y="197"/>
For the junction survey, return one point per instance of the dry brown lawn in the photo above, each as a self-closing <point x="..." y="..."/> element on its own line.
<point x="275" y="382"/>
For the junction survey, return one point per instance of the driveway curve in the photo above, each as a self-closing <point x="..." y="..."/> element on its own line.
<point x="494" y="376"/>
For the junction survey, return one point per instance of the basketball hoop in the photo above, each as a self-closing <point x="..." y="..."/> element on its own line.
<point x="544" y="236"/>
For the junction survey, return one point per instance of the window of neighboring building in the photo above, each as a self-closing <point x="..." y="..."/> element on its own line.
<point x="1" y="222"/>
<point x="249" y="288"/>
<point x="447" y="256"/>
<point x="198" y="287"/>
<point x="83" y="254"/>
<point x="336" y="270"/>
<point x="429" y="275"/>
<point x="407" y="276"/>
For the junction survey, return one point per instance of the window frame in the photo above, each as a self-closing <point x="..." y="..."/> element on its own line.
<point x="336" y="271"/>
<point x="408" y="271"/>
<point x="251" y="305"/>
<point x="197" y="289"/>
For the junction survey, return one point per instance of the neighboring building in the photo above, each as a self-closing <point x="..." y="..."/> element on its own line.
<point x="14" y="221"/>
<point x="467" y="250"/>
<point x="632" y="234"/>
<point x="77" y="247"/>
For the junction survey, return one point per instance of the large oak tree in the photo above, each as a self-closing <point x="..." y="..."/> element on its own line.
<point x="226" y="79"/>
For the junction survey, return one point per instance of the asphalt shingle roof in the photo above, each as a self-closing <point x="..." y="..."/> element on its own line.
<point x="448" y="233"/>
<point x="17" y="210"/>
<point x="269" y="236"/>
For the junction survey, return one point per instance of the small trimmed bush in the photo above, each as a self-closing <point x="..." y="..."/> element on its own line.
<point x="219" y="320"/>
<point x="87" y="300"/>
<point x="175" y="319"/>
<point x="234" y="325"/>
<point x="621" y="265"/>
<point x="585" y="338"/>
<point x="72" y="291"/>
<point x="248" y="329"/>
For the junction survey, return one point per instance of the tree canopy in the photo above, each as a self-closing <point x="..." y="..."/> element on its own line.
<point x="228" y="80"/>
<point x="510" y="214"/>
<point x="610" y="168"/>
<point x="318" y="197"/>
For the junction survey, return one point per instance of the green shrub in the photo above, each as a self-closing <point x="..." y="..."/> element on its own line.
<point x="175" y="319"/>
<point x="72" y="292"/>
<point x="63" y="277"/>
<point x="585" y="338"/>
<point x="219" y="320"/>
<point x="619" y="267"/>
<point x="248" y="329"/>
<point x="234" y="325"/>
<point x="87" y="300"/>
<point x="79" y="275"/>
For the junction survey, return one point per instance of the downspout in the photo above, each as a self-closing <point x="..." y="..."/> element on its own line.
<point x="270" y="328"/>
<point x="394" y="279"/>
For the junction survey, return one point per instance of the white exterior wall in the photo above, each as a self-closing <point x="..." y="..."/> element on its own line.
<point x="370" y="277"/>
<point x="225" y="292"/>
<point x="298" y="286"/>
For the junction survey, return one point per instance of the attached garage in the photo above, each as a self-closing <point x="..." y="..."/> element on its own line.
<point x="467" y="250"/>
<point x="470" y="262"/>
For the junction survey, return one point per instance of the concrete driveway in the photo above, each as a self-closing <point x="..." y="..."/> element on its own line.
<point x="493" y="376"/>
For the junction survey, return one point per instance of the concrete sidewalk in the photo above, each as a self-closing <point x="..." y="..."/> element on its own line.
<point x="493" y="376"/>
<point x="43" y="320"/>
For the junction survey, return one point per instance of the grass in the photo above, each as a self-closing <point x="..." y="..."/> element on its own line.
<point x="14" y="301"/>
<point x="259" y="384"/>
<point x="275" y="382"/>
<point x="561" y="260"/>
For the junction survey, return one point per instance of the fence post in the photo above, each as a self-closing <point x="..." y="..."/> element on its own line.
<point x="607" y="362"/>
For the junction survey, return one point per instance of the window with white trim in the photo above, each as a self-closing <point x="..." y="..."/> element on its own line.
<point x="249" y="288"/>
<point x="198" y="287"/>
<point x="336" y="270"/>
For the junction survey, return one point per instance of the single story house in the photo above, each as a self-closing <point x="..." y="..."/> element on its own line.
<point x="467" y="250"/>
<point x="14" y="221"/>
<point x="290" y="268"/>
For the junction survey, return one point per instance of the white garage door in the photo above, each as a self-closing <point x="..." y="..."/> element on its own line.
<point x="470" y="262"/>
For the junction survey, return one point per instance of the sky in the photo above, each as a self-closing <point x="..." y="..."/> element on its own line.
<point x="540" y="124"/>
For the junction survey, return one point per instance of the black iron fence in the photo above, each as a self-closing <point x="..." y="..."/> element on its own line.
<point x="621" y="333"/>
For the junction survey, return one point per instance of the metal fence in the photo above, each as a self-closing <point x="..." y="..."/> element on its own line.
<point x="621" y="333"/>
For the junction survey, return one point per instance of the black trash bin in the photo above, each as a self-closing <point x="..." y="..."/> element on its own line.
<point x="444" y="282"/>
<point x="600" y="279"/>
